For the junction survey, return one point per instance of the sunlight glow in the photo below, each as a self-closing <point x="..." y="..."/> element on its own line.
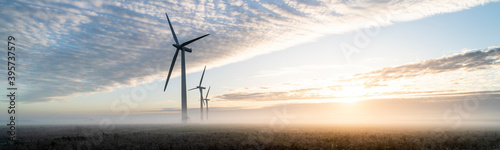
<point x="351" y="91"/>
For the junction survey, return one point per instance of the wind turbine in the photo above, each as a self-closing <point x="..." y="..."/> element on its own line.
<point x="183" y="68"/>
<point x="201" y="93"/>
<point x="206" y="99"/>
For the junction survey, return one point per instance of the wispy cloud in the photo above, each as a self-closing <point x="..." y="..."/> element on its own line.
<point x="275" y="96"/>
<point x="470" y="72"/>
<point x="178" y="110"/>
<point x="467" y="62"/>
<point x="69" y="48"/>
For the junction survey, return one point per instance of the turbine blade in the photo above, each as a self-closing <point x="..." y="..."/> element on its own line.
<point x="202" y="75"/>
<point x="192" y="89"/>
<point x="206" y="97"/>
<point x="171" y="68"/>
<point x="172" y="29"/>
<point x="191" y="41"/>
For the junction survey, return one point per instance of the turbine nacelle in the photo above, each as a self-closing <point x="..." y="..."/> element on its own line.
<point x="197" y="87"/>
<point x="182" y="48"/>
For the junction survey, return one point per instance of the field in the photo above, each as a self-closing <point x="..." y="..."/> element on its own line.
<point x="237" y="136"/>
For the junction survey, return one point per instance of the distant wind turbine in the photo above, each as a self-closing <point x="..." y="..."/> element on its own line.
<point x="201" y="93"/>
<point x="206" y="100"/>
<point x="183" y="68"/>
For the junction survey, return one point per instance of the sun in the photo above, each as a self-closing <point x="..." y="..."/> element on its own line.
<point x="351" y="91"/>
<point x="346" y="94"/>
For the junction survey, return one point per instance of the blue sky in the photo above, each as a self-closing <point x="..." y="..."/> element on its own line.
<point x="81" y="59"/>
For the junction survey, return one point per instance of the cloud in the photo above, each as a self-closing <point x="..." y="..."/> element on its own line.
<point x="178" y="110"/>
<point x="68" y="48"/>
<point x="275" y="96"/>
<point x="472" y="72"/>
<point x="467" y="61"/>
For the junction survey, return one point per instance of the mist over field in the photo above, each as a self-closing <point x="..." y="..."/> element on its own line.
<point x="246" y="136"/>
<point x="452" y="112"/>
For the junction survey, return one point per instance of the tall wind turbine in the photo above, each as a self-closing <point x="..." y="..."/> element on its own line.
<point x="201" y="93"/>
<point x="206" y="99"/>
<point x="183" y="68"/>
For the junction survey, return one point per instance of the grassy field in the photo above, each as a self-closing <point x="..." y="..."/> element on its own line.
<point x="233" y="136"/>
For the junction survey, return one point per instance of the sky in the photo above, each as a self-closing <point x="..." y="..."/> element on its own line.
<point x="349" y="61"/>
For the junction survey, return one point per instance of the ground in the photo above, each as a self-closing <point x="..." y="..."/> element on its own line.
<point x="244" y="136"/>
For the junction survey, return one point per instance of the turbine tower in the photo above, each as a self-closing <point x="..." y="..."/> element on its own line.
<point x="201" y="93"/>
<point x="206" y="100"/>
<point x="183" y="68"/>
